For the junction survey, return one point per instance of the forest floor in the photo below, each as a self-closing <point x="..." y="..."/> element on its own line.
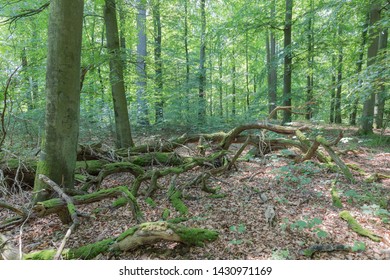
<point x="300" y="194"/>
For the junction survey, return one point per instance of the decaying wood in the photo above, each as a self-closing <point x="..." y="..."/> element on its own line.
<point x="54" y="205"/>
<point x="142" y="234"/>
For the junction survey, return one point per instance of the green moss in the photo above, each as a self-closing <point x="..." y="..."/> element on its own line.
<point x="91" y="166"/>
<point x="41" y="255"/>
<point x="177" y="220"/>
<point x="356" y="167"/>
<point x="356" y="227"/>
<point x="166" y="213"/>
<point x="80" y="178"/>
<point x="122" y="201"/>
<point x="217" y="195"/>
<point x="150" y="202"/>
<point x="335" y="197"/>
<point x="161" y="158"/>
<point x="71" y="208"/>
<point x="128" y="232"/>
<point x="195" y="236"/>
<point x="89" y="251"/>
<point x="175" y="198"/>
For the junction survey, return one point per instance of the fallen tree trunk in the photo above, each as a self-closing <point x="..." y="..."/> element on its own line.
<point x="55" y="205"/>
<point x="139" y="235"/>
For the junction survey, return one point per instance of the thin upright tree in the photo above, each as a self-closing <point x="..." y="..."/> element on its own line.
<point x="202" y="69"/>
<point x="369" y="102"/>
<point x="159" y="103"/>
<point x="142" y="106"/>
<point x="287" y="61"/>
<point x="122" y="122"/>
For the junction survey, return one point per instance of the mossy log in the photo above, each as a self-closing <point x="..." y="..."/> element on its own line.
<point x="356" y="227"/>
<point x="343" y="167"/>
<point x="55" y="205"/>
<point x="139" y="235"/>
<point x="307" y="147"/>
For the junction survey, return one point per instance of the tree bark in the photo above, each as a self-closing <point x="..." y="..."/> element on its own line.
<point x="233" y="82"/>
<point x="159" y="105"/>
<point x="272" y="66"/>
<point x="287" y="61"/>
<point x="142" y="107"/>
<point x="122" y="123"/>
<point x="310" y="63"/>
<point x="337" y="104"/>
<point x="359" y="66"/>
<point x="381" y="95"/>
<point x="369" y="102"/>
<point x="59" y="149"/>
<point x="202" y="70"/>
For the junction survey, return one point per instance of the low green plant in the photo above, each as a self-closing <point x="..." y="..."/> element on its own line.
<point x="237" y="230"/>
<point x="281" y="254"/>
<point x="358" y="246"/>
<point x="376" y="210"/>
<point x="296" y="174"/>
<point x="311" y="224"/>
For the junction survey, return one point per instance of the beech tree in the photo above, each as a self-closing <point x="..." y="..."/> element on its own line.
<point x="122" y="122"/>
<point x="58" y="156"/>
<point x="369" y="102"/>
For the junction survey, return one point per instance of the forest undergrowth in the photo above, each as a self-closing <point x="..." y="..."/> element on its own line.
<point x="307" y="199"/>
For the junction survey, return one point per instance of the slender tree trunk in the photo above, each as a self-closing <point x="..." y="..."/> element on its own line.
<point x="211" y="101"/>
<point x="142" y="106"/>
<point x="247" y="97"/>
<point x="287" y="61"/>
<point x="159" y="105"/>
<point x="233" y="82"/>
<point x="59" y="149"/>
<point x="310" y="64"/>
<point x="202" y="70"/>
<point x="272" y="66"/>
<point x="122" y="123"/>
<point x="187" y="57"/>
<point x="337" y="118"/>
<point x="369" y="102"/>
<point x="359" y="66"/>
<point x="381" y="95"/>
<point x="122" y="32"/>
<point x="220" y="83"/>
<point x="333" y="92"/>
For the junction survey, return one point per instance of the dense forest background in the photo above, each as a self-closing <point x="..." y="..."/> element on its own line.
<point x="223" y="61"/>
<point x="281" y="103"/>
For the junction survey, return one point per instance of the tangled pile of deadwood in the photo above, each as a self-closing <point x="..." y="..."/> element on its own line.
<point x="212" y="154"/>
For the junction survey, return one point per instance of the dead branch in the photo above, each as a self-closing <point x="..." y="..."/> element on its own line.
<point x="26" y="13"/>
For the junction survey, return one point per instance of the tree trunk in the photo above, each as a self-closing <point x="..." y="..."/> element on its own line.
<point x="220" y="83"/>
<point x="359" y="66"/>
<point x="369" y="102"/>
<point x="59" y="148"/>
<point x="187" y="58"/>
<point x="233" y="82"/>
<point x="272" y="66"/>
<point x="202" y="70"/>
<point x="142" y="107"/>
<point x="247" y="97"/>
<point x="159" y="105"/>
<point x="122" y="123"/>
<point x="287" y="61"/>
<point x="337" y="104"/>
<point x="310" y="64"/>
<point x="333" y="93"/>
<point x="381" y="95"/>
